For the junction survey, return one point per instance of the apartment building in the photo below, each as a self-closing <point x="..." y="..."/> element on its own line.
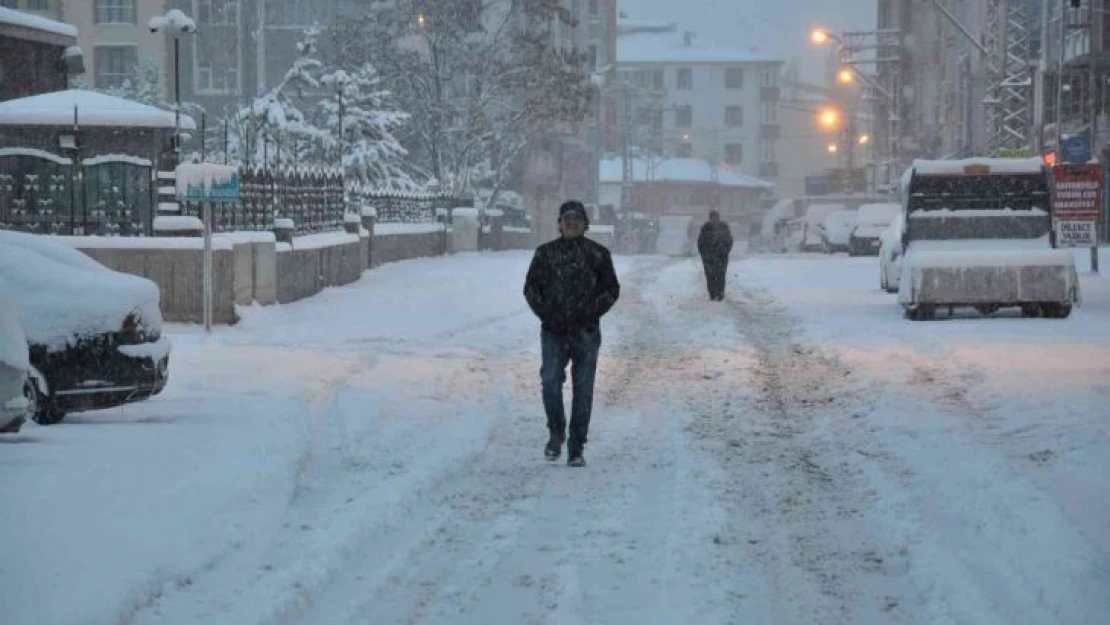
<point x="113" y="35"/>
<point x="702" y="102"/>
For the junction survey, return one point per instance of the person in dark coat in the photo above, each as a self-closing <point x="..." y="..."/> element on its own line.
<point x="714" y="245"/>
<point x="570" y="285"/>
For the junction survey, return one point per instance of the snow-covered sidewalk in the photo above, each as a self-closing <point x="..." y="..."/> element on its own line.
<point x="799" y="454"/>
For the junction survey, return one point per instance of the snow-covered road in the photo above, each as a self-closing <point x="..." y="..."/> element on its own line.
<point x="798" y="454"/>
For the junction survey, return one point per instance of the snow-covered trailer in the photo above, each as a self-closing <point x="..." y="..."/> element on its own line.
<point x="977" y="234"/>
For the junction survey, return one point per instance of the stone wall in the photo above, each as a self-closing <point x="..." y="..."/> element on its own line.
<point x="391" y="248"/>
<point x="252" y="268"/>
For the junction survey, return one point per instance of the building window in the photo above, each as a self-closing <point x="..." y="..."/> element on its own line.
<point x="115" y="11"/>
<point x="38" y="5"/>
<point x="217" y="66"/>
<point x="734" y="153"/>
<point x="218" y="12"/>
<point x="769" y="78"/>
<point x="684" y="150"/>
<point x="685" y="78"/>
<point x="115" y="65"/>
<point x="769" y="113"/>
<point x="767" y="151"/>
<point x="657" y="78"/>
<point x="734" y="77"/>
<point x="593" y="7"/>
<point x="10" y="4"/>
<point x="593" y="56"/>
<point x="684" y="116"/>
<point x="734" y="115"/>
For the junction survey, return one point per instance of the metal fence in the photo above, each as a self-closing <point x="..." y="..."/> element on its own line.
<point x="43" y="193"/>
<point x="405" y="207"/>
<point x="312" y="198"/>
<point x="116" y="196"/>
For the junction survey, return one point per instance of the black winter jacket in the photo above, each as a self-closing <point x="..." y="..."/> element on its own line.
<point x="715" y="240"/>
<point x="571" y="284"/>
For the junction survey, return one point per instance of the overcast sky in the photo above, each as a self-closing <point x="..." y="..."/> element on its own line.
<point x="775" y="26"/>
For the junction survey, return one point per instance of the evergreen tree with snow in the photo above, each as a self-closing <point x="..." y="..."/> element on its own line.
<point x="362" y="116"/>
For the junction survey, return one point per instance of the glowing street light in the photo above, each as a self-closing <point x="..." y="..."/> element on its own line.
<point x="864" y="139"/>
<point x="833" y="149"/>
<point x="829" y="118"/>
<point x="820" y="36"/>
<point x="845" y="76"/>
<point x="421" y="20"/>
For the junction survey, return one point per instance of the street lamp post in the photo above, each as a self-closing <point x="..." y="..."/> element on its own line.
<point x="177" y="24"/>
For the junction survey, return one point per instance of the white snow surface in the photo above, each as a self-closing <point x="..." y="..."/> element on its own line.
<point x="999" y="212"/>
<point x="219" y="242"/>
<point x="391" y="228"/>
<point x="465" y="213"/>
<point x="798" y="454"/>
<point x="54" y="158"/>
<point x="36" y="22"/>
<point x="996" y="165"/>
<point x="839" y="225"/>
<point x="284" y="222"/>
<point x="369" y="211"/>
<point x="117" y="158"/>
<point x="93" y="109"/>
<point x="176" y="223"/>
<point x="319" y="240"/>
<point x="173" y="20"/>
<point x="878" y="214"/>
<point x="64" y="294"/>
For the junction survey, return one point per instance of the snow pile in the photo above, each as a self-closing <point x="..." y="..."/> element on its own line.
<point x="877" y="214"/>
<point x="117" y="158"/>
<point x="35" y="22"/>
<point x="93" y="109"/>
<point x="351" y="218"/>
<point x="284" y="223"/>
<point x="494" y="212"/>
<point x="838" y="227"/>
<point x="178" y="223"/>
<point x="610" y="171"/>
<point x="317" y="241"/>
<point x="13" y="343"/>
<point x="204" y="176"/>
<point x="66" y="295"/>
<point x="369" y="211"/>
<point x="994" y="165"/>
<point x="173" y="20"/>
<point x="918" y="259"/>
<point x="465" y="213"/>
<point x="942" y="213"/>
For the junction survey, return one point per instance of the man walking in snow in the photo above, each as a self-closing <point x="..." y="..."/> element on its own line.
<point x="714" y="245"/>
<point x="571" y="284"/>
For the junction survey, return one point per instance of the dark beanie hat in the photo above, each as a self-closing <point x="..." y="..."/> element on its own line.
<point x="575" y="207"/>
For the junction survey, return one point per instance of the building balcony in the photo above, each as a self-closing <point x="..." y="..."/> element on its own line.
<point x="769" y="94"/>
<point x="770" y="131"/>
<point x="769" y="169"/>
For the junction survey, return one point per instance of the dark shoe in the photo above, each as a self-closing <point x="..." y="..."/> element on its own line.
<point x="575" y="459"/>
<point x="554" y="447"/>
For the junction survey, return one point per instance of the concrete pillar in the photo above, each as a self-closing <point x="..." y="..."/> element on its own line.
<point x="464" y="233"/>
<point x="496" y="236"/>
<point x="369" y="221"/>
<point x="283" y="230"/>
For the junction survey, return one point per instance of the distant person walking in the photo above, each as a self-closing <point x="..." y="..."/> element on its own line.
<point x="714" y="245"/>
<point x="570" y="285"/>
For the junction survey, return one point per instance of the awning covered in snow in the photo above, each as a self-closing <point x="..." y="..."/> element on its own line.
<point x="93" y="110"/>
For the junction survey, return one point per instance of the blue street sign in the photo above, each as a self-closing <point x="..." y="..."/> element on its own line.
<point x="1075" y="148"/>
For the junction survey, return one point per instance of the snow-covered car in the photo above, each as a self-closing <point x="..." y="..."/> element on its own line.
<point x="812" y="238"/>
<point x="890" y="255"/>
<point x="836" y="231"/>
<point x="16" y="394"/>
<point x="872" y="222"/>
<point x="94" y="335"/>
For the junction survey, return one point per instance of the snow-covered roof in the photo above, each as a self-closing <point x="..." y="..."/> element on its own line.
<point x="996" y="165"/>
<point x="35" y="22"/>
<point x="679" y="170"/>
<point x="669" y="47"/>
<point x="93" y="109"/>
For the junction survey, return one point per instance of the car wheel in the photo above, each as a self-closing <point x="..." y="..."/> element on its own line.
<point x="45" y="413"/>
<point x="987" y="309"/>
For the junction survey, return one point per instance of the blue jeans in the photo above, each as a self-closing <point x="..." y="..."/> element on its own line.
<point x="579" y="348"/>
